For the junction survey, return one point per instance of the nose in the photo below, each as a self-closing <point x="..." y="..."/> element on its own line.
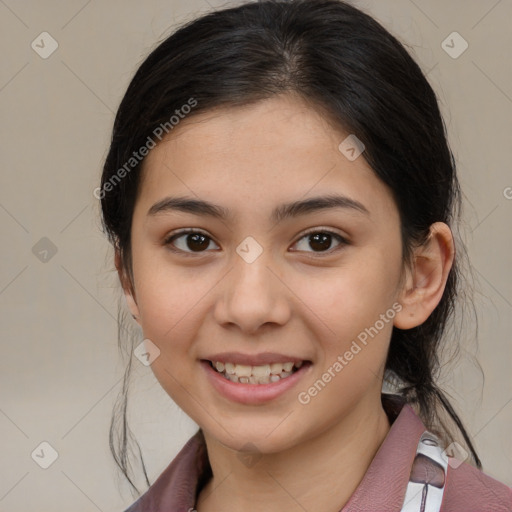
<point x="252" y="295"/>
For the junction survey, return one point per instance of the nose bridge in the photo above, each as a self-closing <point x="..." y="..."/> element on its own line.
<point x="251" y="272"/>
<point x="253" y="295"/>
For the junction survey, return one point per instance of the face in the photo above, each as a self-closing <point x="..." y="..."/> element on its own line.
<point x="256" y="284"/>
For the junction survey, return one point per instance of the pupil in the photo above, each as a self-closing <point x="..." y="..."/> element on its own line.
<point x="197" y="237"/>
<point x="320" y="239"/>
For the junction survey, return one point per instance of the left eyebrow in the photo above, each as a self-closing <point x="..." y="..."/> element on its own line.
<point x="281" y="212"/>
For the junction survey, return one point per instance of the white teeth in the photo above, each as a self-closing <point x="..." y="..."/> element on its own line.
<point x="262" y="374"/>
<point x="230" y="368"/>
<point x="288" y="367"/>
<point x="276" y="368"/>
<point x="261" y="371"/>
<point x="243" y="370"/>
<point x="264" y="380"/>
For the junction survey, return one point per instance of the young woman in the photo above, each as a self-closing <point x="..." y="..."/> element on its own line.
<point x="279" y="192"/>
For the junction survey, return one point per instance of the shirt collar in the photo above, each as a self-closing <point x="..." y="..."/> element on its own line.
<point x="382" y="487"/>
<point x="384" y="484"/>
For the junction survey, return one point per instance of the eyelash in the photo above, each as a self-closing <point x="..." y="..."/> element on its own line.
<point x="173" y="236"/>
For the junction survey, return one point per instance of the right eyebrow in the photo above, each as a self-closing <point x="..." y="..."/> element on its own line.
<point x="281" y="212"/>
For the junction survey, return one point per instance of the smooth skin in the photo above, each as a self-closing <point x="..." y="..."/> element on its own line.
<point x="298" y="297"/>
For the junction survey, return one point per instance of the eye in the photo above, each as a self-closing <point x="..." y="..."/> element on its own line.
<point x="194" y="241"/>
<point x="320" y="240"/>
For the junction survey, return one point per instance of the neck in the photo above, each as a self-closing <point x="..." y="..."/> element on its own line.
<point x="318" y="474"/>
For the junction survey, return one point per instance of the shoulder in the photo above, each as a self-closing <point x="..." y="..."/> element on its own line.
<point x="175" y="488"/>
<point x="470" y="490"/>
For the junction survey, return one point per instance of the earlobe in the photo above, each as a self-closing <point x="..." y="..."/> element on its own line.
<point x="128" y="290"/>
<point x="132" y="306"/>
<point x="425" y="282"/>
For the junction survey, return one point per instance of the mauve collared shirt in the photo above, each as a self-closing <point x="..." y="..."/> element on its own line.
<point x="382" y="488"/>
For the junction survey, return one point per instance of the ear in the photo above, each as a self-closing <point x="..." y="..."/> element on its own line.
<point x="127" y="285"/>
<point x="425" y="282"/>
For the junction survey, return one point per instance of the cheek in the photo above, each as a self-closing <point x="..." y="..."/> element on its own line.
<point x="352" y="297"/>
<point x="171" y="313"/>
<point x="169" y="306"/>
<point x="168" y="298"/>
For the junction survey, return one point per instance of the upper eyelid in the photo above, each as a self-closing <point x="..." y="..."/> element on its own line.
<point x="321" y="230"/>
<point x="309" y="231"/>
<point x="185" y="231"/>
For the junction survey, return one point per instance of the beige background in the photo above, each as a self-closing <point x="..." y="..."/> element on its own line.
<point x="60" y="370"/>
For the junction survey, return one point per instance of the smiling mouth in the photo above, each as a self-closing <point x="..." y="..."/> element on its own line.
<point x="263" y="374"/>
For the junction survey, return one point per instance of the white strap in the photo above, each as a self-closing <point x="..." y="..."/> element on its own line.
<point x="428" y="477"/>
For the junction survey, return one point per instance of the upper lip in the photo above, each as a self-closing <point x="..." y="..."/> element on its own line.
<point x="253" y="359"/>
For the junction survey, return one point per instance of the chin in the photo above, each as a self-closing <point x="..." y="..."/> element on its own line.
<point x="261" y="437"/>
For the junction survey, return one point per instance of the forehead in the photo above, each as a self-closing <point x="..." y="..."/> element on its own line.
<point x="270" y="152"/>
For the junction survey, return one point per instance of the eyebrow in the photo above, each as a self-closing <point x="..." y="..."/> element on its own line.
<point x="281" y="212"/>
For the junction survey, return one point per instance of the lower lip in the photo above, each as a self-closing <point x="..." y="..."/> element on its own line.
<point x="252" y="393"/>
